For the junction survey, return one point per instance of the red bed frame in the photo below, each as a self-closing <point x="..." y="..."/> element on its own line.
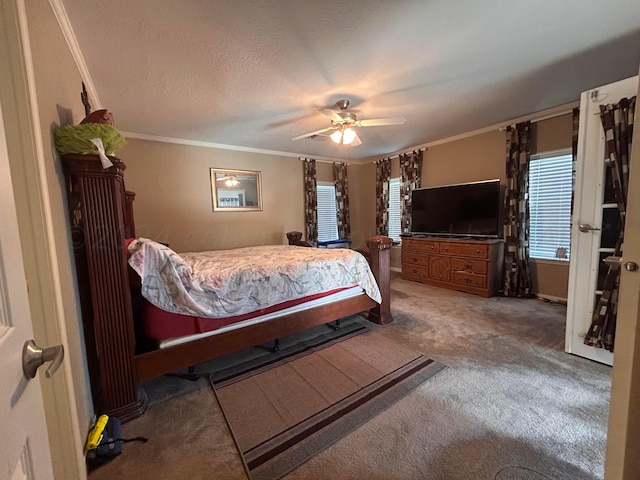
<point x="101" y="217"/>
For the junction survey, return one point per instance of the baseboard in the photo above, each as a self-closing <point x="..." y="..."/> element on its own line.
<point x="551" y="298"/>
<point x="396" y="269"/>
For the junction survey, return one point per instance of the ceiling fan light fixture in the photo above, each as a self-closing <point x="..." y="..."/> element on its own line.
<point x="343" y="136"/>
<point x="231" y="182"/>
<point x="343" y="124"/>
<point x="348" y="136"/>
<point x="336" y="136"/>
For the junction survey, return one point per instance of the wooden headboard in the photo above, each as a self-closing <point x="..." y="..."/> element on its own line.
<point x="103" y="280"/>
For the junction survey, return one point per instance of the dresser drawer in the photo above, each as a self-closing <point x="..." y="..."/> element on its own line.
<point x="440" y="268"/>
<point x="469" y="266"/>
<point x="415" y="270"/>
<point x="414" y="259"/>
<point x="464" y="249"/>
<point x="469" y="279"/>
<point x="419" y="246"/>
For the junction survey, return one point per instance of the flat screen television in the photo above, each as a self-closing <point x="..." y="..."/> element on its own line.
<point x="461" y="210"/>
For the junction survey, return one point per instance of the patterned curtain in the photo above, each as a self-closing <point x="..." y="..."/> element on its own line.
<point x="617" y="121"/>
<point x="410" y="179"/>
<point x="575" y="118"/>
<point x="383" y="175"/>
<point x="310" y="201"/>
<point x="342" y="199"/>
<point x="517" y="274"/>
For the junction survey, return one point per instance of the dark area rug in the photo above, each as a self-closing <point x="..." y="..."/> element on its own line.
<point x="286" y="407"/>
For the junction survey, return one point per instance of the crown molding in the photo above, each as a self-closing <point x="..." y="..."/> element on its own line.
<point x="534" y="117"/>
<point x="67" y="31"/>
<point x="222" y="146"/>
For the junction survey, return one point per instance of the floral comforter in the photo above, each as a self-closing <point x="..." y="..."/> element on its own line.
<point x="226" y="283"/>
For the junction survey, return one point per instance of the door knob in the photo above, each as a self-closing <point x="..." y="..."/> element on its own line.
<point x="34" y="356"/>
<point x="585" y="227"/>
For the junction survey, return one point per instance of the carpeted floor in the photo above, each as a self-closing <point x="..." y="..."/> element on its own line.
<point x="510" y="406"/>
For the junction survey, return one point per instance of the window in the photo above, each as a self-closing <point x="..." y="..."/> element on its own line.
<point x="394" y="209"/>
<point x="327" y="218"/>
<point x="550" y="191"/>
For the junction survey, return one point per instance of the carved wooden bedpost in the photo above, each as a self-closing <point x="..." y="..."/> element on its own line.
<point x="295" y="238"/>
<point x="379" y="256"/>
<point x="98" y="211"/>
<point x="130" y="226"/>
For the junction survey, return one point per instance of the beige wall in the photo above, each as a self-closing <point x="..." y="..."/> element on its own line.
<point x="174" y="202"/>
<point x="41" y="207"/>
<point x="552" y="134"/>
<point x="481" y="157"/>
<point x="362" y="197"/>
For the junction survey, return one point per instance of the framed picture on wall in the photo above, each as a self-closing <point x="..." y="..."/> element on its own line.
<point x="236" y="190"/>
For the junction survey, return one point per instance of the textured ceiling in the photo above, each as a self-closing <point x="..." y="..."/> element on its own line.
<point x="251" y="73"/>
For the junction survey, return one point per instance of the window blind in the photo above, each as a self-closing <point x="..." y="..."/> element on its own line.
<point x="550" y="191"/>
<point x="394" y="209"/>
<point x="327" y="220"/>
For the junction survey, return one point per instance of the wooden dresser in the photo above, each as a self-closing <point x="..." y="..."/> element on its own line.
<point x="472" y="266"/>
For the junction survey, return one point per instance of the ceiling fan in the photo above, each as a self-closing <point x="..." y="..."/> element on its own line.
<point x="343" y="123"/>
<point x="229" y="180"/>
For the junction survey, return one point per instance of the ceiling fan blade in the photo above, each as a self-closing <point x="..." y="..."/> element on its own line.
<point x="311" y="134"/>
<point x="332" y="114"/>
<point x="356" y="141"/>
<point x="376" y="122"/>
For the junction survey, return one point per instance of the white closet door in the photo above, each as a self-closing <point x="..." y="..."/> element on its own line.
<point x="596" y="211"/>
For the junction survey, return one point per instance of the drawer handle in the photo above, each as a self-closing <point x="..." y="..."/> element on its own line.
<point x="477" y="250"/>
<point x="468" y="267"/>
<point x="468" y="280"/>
<point x="414" y="271"/>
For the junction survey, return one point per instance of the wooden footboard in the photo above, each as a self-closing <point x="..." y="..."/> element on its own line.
<point x="101" y="218"/>
<point x="166" y="360"/>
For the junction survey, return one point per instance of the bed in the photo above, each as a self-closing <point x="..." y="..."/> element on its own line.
<point x="120" y="353"/>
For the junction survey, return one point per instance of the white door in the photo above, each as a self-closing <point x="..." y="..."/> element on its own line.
<point x="595" y="215"/>
<point x="623" y="436"/>
<point x="24" y="443"/>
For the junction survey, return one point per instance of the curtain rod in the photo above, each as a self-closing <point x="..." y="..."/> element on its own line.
<point x="422" y="149"/>
<point x="539" y="119"/>
<point x="302" y="159"/>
